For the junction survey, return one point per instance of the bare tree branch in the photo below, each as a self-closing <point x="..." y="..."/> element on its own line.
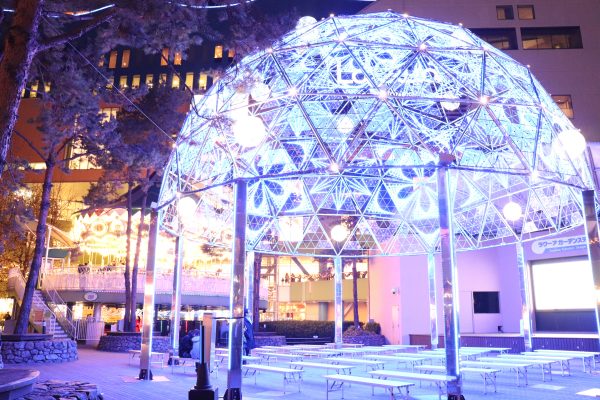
<point x="30" y="144"/>
<point x="76" y="33"/>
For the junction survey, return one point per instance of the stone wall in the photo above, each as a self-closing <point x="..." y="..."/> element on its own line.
<point x="124" y="343"/>
<point x="367" y="340"/>
<point x="64" y="391"/>
<point x="273" y="340"/>
<point x="37" y="352"/>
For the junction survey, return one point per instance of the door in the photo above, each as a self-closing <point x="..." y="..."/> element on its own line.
<point x="465" y="312"/>
<point x="395" y="339"/>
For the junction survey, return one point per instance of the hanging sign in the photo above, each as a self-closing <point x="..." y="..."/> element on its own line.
<point x="558" y="245"/>
<point x="90" y="296"/>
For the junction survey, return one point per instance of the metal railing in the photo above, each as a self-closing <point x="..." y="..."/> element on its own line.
<point x="62" y="313"/>
<point x="111" y="280"/>
<point x="16" y="283"/>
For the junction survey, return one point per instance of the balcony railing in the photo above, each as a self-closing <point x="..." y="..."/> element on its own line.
<point x="112" y="280"/>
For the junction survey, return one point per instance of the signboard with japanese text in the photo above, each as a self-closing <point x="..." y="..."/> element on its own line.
<point x="559" y="245"/>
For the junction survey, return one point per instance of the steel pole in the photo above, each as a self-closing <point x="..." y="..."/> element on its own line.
<point x="149" y="290"/>
<point x="450" y="281"/>
<point x="593" y="244"/>
<point x="526" y="304"/>
<point x="433" y="314"/>
<point x="176" y="296"/>
<point x="338" y="303"/>
<point x="250" y="286"/>
<point x="236" y="299"/>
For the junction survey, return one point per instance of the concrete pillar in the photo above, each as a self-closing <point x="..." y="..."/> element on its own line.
<point x="323" y="310"/>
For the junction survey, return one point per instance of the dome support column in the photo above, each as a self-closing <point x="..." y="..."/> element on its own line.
<point x="449" y="278"/>
<point x="433" y="314"/>
<point x="526" y="304"/>
<point x="236" y="297"/>
<point x="593" y="245"/>
<point x="176" y="296"/>
<point x="338" y="303"/>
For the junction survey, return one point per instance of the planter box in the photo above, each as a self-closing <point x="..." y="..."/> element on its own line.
<point x="367" y="340"/>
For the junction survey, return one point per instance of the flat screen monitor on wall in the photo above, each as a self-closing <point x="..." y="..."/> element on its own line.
<point x="486" y="303"/>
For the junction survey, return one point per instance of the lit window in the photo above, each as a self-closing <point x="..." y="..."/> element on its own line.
<point x="111" y="82"/>
<point x="135" y="82"/>
<point x="162" y="79"/>
<point x="125" y="59"/>
<point x="500" y="38"/>
<point x="202" y="81"/>
<point x="568" y="37"/>
<point x="189" y="80"/>
<point x="177" y="58"/>
<point x="175" y="82"/>
<point x="564" y="103"/>
<point x="504" y="12"/>
<point x="112" y="60"/>
<point x="33" y="91"/>
<point x="37" y="165"/>
<point x="47" y="86"/>
<point x="149" y="80"/>
<point x="80" y="161"/>
<point x="101" y="62"/>
<point x="164" y="57"/>
<point x="123" y="82"/>
<point x="526" y="12"/>
<point x="218" y="51"/>
<point x="230" y="53"/>
<point x="108" y="113"/>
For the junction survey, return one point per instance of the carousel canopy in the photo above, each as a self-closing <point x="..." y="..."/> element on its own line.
<point x="339" y="129"/>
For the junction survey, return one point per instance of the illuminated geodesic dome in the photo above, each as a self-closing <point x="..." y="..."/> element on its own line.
<point x="338" y="130"/>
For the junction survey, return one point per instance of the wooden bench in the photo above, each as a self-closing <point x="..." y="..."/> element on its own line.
<point x="439" y="379"/>
<point x="588" y="358"/>
<point x="273" y="357"/>
<point x="373" y="364"/>
<point x="337" y="383"/>
<point x="545" y="365"/>
<point x="155" y="357"/>
<point x="338" y="368"/>
<point x="290" y="375"/>
<point x="488" y="374"/>
<point x="519" y="367"/>
<point x="400" y="359"/>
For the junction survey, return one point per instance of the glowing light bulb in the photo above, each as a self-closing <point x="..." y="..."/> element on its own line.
<point x="292" y="91"/>
<point x="382" y="94"/>
<point x="343" y="36"/>
<point x="249" y="131"/>
<point x="339" y="233"/>
<point x="186" y="207"/>
<point x="305" y="22"/>
<point x="512" y="211"/>
<point x="484" y="100"/>
<point x="345" y="125"/>
<point x="334" y="167"/>
<point x="573" y="142"/>
<point x="260" y="91"/>
<point x="450" y="105"/>
<point x="422" y="47"/>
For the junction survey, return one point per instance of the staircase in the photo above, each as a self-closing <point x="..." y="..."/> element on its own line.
<point x="43" y="305"/>
<point x="55" y="329"/>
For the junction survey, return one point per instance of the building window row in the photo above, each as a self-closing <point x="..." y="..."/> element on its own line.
<point x="524" y="12"/>
<point x="219" y="53"/>
<point x="563" y="101"/>
<point x="565" y="37"/>
<point x="568" y="37"/>
<point x="195" y="81"/>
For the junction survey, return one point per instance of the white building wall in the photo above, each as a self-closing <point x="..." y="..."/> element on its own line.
<point x="574" y="72"/>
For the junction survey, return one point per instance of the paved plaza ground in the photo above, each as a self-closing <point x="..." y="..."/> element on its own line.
<point x="116" y="378"/>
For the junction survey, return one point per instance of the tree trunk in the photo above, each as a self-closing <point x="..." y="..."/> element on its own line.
<point x="20" y="46"/>
<point x="355" y="292"/>
<point x="36" y="262"/>
<point x="127" y="319"/>
<point x="256" y="296"/>
<point x="136" y="260"/>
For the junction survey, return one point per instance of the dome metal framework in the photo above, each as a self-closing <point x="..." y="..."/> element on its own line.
<point x="339" y="129"/>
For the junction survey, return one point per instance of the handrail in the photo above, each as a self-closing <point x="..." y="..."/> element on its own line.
<point x="63" y="314"/>
<point x="16" y="281"/>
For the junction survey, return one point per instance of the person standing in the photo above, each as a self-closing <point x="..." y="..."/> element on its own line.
<point x="248" y="335"/>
